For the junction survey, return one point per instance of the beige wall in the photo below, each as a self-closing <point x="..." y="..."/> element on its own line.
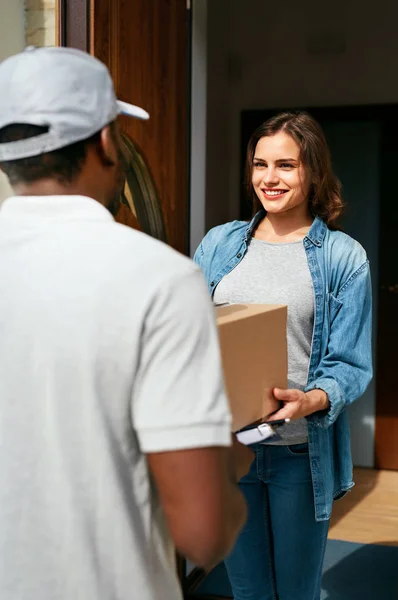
<point x="23" y="23"/>
<point x="40" y="22"/>
<point x="12" y="40"/>
<point x="11" y="27"/>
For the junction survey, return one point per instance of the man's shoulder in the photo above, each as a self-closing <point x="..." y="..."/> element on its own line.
<point x="148" y="253"/>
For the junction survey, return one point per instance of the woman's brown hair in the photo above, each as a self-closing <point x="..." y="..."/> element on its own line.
<point x="325" y="199"/>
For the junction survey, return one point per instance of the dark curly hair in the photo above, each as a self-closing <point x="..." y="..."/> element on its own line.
<point x="325" y="199"/>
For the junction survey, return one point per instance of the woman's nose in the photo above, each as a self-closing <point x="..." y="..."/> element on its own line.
<point x="271" y="176"/>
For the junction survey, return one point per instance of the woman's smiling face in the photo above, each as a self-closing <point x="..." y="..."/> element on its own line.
<point x="279" y="179"/>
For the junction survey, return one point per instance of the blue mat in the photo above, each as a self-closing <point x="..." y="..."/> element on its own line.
<point x="351" y="572"/>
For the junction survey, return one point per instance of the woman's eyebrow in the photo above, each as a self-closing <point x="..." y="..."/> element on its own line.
<point x="278" y="160"/>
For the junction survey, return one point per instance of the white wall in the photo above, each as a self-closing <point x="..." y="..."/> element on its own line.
<point x="198" y="134"/>
<point x="263" y="54"/>
<point x="12" y="40"/>
<point x="198" y="122"/>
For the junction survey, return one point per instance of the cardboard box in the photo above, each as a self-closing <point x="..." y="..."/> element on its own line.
<point x="254" y="354"/>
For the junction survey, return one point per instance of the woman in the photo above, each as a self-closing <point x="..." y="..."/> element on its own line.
<point x="292" y="253"/>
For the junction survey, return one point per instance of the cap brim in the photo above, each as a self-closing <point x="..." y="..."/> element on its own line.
<point x="132" y="111"/>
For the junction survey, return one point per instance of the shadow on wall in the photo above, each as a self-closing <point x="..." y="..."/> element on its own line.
<point x="40" y="22"/>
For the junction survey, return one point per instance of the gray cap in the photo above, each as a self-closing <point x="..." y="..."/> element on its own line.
<point x="66" y="90"/>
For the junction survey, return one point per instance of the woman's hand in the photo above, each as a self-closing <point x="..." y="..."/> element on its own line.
<point x="298" y="404"/>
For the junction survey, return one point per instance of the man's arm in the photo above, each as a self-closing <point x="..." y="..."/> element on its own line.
<point x="183" y="422"/>
<point x="203" y="506"/>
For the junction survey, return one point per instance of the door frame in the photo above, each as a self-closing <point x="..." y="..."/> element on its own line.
<point x="73" y="23"/>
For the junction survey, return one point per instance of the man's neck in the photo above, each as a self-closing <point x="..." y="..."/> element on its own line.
<point x="49" y="187"/>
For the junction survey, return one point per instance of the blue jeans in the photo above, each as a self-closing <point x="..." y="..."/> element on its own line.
<point x="280" y="552"/>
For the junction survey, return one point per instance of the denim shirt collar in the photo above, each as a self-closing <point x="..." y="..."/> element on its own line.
<point x="316" y="233"/>
<point x="253" y="224"/>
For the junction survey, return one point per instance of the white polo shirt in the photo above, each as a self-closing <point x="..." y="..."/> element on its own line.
<point x="108" y="351"/>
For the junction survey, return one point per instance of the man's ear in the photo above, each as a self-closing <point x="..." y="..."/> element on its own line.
<point x="107" y="147"/>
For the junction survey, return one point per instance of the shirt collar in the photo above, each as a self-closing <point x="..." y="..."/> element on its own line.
<point x="54" y="207"/>
<point x="316" y="233"/>
<point x="253" y="224"/>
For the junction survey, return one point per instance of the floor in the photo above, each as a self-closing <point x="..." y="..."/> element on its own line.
<point x="368" y="514"/>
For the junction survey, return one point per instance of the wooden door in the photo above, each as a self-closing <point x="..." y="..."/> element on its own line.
<point x="145" y="44"/>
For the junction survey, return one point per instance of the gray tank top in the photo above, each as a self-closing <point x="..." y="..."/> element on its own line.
<point x="278" y="274"/>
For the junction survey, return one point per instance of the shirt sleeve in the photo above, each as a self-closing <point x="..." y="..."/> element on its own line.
<point x="346" y="370"/>
<point x="179" y="400"/>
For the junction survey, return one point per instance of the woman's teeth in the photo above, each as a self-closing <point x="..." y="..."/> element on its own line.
<point x="274" y="192"/>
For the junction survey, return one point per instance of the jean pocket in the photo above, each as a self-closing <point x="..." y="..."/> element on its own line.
<point x="298" y="449"/>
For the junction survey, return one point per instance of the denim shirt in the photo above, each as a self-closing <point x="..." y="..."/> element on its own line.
<point x="341" y="354"/>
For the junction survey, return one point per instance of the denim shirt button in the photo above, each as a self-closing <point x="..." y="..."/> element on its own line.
<point x="212" y="284"/>
<point x="238" y="255"/>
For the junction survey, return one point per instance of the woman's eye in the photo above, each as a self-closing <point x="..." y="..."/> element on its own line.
<point x="287" y="166"/>
<point x="258" y="165"/>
